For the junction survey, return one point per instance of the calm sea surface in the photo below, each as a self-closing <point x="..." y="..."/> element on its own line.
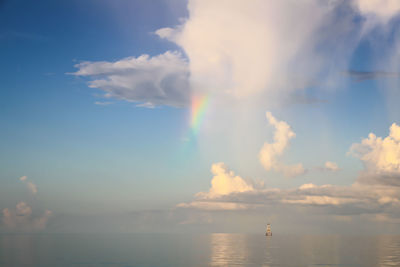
<point x="197" y="250"/>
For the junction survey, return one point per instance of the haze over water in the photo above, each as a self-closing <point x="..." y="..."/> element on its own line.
<point x="197" y="250"/>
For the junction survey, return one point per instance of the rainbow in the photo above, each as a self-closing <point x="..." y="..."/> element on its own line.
<point x="199" y="107"/>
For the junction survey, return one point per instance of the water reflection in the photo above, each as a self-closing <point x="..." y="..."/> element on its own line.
<point x="245" y="250"/>
<point x="388" y="251"/>
<point x="228" y="250"/>
<point x="198" y="250"/>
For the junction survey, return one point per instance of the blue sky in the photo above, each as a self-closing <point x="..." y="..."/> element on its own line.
<point x="48" y="113"/>
<point x="90" y="153"/>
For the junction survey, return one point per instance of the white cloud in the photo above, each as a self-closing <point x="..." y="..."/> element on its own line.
<point x="21" y="218"/>
<point x="153" y="81"/>
<point x="356" y="199"/>
<point x="244" y="50"/>
<point x="225" y="182"/>
<point x="270" y="152"/>
<point x="214" y="205"/>
<point x="320" y="200"/>
<point x="103" y="103"/>
<point x="331" y="166"/>
<point x="247" y="49"/>
<point x="31" y="186"/>
<point x="307" y="186"/>
<point x="378" y="11"/>
<point x="380" y="155"/>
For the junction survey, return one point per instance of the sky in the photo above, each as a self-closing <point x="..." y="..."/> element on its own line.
<point x="200" y="116"/>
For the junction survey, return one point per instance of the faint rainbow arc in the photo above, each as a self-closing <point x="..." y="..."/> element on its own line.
<point x="198" y="111"/>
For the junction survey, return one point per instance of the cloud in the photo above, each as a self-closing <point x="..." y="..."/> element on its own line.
<point x="31" y="186"/>
<point x="356" y="199"/>
<point x="381" y="158"/>
<point x="271" y="152"/>
<point x="214" y="206"/>
<point x="331" y="166"/>
<point x="380" y="155"/>
<point x="22" y="209"/>
<point x="360" y="76"/>
<point x="225" y="182"/>
<point x="378" y="11"/>
<point x="375" y="191"/>
<point x="236" y="50"/>
<point x="102" y="103"/>
<point x="160" y="80"/>
<point x="248" y="50"/>
<point x="21" y="218"/>
<point x="22" y="36"/>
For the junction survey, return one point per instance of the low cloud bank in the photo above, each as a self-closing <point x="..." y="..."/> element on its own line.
<point x="21" y="218"/>
<point x="376" y="191"/>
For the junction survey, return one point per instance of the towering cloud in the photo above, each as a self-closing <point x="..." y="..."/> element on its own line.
<point x="243" y="49"/>
<point x="271" y="152"/>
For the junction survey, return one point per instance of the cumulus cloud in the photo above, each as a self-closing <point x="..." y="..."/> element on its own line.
<point x="149" y="81"/>
<point x="381" y="158"/>
<point x="225" y="182"/>
<point x="381" y="155"/>
<point x="375" y="191"/>
<point x="21" y="218"/>
<point x="270" y="152"/>
<point x="356" y="199"/>
<point x="30" y="185"/>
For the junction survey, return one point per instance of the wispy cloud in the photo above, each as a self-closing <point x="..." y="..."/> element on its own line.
<point x="102" y="103"/>
<point x="329" y="166"/>
<point x="360" y="76"/>
<point x="17" y="35"/>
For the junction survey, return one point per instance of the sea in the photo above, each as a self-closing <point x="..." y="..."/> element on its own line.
<point x="197" y="250"/>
